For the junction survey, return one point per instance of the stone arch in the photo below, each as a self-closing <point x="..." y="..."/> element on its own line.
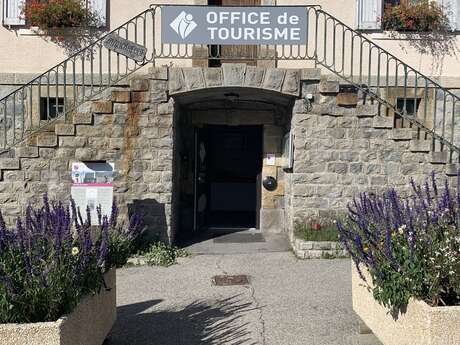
<point x="187" y="79"/>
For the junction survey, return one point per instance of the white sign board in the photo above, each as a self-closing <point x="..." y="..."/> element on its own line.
<point x="234" y="25"/>
<point x="93" y="186"/>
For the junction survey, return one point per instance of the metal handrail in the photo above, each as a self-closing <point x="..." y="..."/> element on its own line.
<point x="332" y="44"/>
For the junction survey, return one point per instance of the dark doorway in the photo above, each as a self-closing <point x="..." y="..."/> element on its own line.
<point x="228" y="165"/>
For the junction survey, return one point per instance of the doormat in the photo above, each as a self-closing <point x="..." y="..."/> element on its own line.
<point x="227" y="280"/>
<point x="240" y="238"/>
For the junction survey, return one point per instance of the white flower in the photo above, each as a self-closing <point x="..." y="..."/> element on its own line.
<point x="401" y="229"/>
<point x="75" y="251"/>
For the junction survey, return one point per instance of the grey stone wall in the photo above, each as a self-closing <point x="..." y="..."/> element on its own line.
<point x="342" y="146"/>
<point x="341" y="151"/>
<point x="132" y="127"/>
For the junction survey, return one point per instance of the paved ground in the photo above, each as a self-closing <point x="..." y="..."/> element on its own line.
<point x="288" y="302"/>
<point x="240" y="242"/>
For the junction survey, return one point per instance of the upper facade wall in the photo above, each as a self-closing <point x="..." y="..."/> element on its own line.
<point x="26" y="52"/>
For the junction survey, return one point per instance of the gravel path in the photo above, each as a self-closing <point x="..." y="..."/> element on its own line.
<point x="288" y="302"/>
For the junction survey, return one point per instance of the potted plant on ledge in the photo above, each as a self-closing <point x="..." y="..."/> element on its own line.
<point x="406" y="264"/>
<point x="420" y="16"/>
<point x="68" y="23"/>
<point x="57" y="275"/>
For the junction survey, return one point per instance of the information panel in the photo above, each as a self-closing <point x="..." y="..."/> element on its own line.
<point x="93" y="186"/>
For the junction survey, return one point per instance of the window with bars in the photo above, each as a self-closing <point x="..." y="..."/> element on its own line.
<point x="12" y="11"/>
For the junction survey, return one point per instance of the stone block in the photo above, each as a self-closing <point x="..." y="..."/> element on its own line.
<point x="339" y="168"/>
<point x="159" y="91"/>
<point x="420" y="145"/>
<point x="310" y="74"/>
<point x="254" y="76"/>
<point x="140" y="97"/>
<point x="272" y="221"/>
<point x="47" y="140"/>
<point x="121" y="96"/>
<point x="85" y="154"/>
<point x="27" y="152"/>
<point x="102" y="107"/>
<point x="213" y="77"/>
<point x="158" y="73"/>
<point x="120" y="108"/>
<point x="176" y="81"/>
<point x="291" y="83"/>
<point x="301" y="106"/>
<point x="194" y="78"/>
<point x="166" y="108"/>
<point x="274" y="78"/>
<point x="402" y="134"/>
<point x="367" y="110"/>
<point x="452" y="169"/>
<point x="83" y="119"/>
<point x="347" y="99"/>
<point x="64" y="129"/>
<point x="139" y="84"/>
<point x="10" y="164"/>
<point x="382" y="122"/>
<point x="234" y="74"/>
<point x="72" y="142"/>
<point x="329" y="85"/>
<point x="439" y="157"/>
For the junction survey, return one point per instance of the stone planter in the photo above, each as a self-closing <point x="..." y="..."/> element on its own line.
<point x="419" y="325"/>
<point x="88" y="324"/>
<point x="317" y="250"/>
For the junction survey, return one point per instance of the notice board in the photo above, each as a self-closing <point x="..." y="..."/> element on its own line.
<point x="92" y="185"/>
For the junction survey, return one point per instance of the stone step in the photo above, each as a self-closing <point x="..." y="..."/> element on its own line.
<point x="452" y="169"/>
<point x="382" y="122"/>
<point x="63" y="129"/>
<point x="83" y="119"/>
<point x="439" y="157"/>
<point x="420" y="145"/>
<point x="10" y="164"/>
<point x="102" y="107"/>
<point x="47" y="140"/>
<point x="402" y="134"/>
<point x="27" y="152"/>
<point x="367" y="110"/>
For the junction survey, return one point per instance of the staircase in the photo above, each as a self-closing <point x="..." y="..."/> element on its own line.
<point x="333" y="45"/>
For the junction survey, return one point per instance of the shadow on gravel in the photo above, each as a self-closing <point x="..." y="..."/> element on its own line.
<point x="205" y="323"/>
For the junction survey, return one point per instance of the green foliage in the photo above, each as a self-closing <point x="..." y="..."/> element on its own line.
<point x="422" y="16"/>
<point x="409" y="245"/>
<point x="162" y="254"/>
<point x="317" y="230"/>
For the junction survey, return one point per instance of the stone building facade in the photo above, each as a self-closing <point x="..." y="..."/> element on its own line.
<point x="343" y="144"/>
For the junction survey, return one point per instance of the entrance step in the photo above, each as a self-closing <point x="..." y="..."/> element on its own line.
<point x="237" y="242"/>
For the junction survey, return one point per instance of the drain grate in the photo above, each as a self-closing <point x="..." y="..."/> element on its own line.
<point x="227" y="280"/>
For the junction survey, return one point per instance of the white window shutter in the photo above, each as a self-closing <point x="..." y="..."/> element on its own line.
<point x="99" y="7"/>
<point x="12" y="12"/>
<point x="369" y="14"/>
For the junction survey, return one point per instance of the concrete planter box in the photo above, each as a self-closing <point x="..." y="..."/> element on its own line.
<point x="88" y="324"/>
<point x="317" y="249"/>
<point x="419" y="325"/>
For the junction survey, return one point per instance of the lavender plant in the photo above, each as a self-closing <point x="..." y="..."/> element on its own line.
<point x="410" y="246"/>
<point x="52" y="258"/>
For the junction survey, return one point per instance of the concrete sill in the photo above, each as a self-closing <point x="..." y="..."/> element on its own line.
<point x="406" y="36"/>
<point x="88" y="324"/>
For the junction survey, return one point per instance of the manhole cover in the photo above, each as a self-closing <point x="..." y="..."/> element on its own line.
<point x="227" y="280"/>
